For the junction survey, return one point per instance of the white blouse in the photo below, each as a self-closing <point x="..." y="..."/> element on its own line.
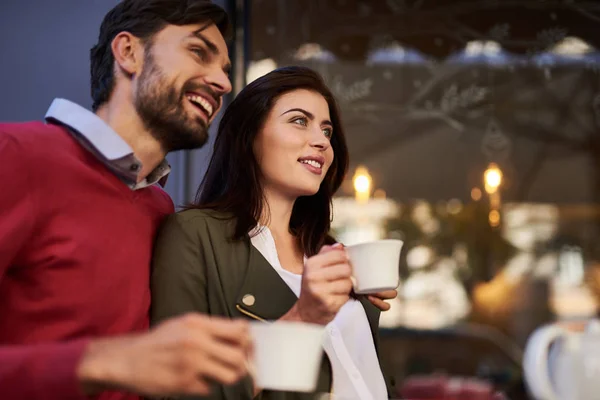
<point x="348" y="343"/>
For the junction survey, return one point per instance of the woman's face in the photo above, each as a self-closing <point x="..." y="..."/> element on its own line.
<point x="293" y="148"/>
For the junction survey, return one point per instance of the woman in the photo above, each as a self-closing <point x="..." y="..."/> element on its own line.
<point x="256" y="241"/>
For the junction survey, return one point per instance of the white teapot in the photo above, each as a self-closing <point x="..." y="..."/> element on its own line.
<point x="560" y="364"/>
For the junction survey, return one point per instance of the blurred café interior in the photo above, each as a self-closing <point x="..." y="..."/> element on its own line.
<point x="473" y="128"/>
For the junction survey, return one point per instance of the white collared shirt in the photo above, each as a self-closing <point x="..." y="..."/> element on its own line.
<point x="99" y="138"/>
<point x="348" y="342"/>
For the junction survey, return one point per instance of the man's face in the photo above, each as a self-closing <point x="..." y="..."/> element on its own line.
<point x="183" y="80"/>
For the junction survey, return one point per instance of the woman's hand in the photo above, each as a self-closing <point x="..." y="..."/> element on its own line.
<point x="326" y="286"/>
<point x="378" y="299"/>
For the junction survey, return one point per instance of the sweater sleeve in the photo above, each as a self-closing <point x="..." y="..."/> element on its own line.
<point x="41" y="371"/>
<point x="28" y="372"/>
<point x="16" y="202"/>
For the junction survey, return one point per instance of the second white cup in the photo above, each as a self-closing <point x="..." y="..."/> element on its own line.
<point x="375" y="265"/>
<point x="287" y="355"/>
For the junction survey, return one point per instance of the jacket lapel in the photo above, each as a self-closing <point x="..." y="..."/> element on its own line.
<point x="263" y="295"/>
<point x="372" y="314"/>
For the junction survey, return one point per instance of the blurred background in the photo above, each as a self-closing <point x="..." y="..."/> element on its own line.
<point x="473" y="128"/>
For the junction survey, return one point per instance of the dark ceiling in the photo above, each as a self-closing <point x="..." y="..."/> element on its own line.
<point x="350" y="28"/>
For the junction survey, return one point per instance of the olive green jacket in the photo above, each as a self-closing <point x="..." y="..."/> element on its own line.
<point x="198" y="268"/>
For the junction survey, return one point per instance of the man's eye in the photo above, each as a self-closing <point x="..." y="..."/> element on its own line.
<point x="200" y="53"/>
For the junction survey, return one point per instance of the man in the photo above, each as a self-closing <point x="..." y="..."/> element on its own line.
<point x="80" y="207"/>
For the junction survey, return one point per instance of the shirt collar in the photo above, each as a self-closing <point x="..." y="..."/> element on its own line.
<point x="104" y="140"/>
<point x="92" y="127"/>
<point x="257" y="230"/>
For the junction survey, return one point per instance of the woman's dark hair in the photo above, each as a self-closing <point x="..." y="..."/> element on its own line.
<point x="144" y="18"/>
<point x="232" y="181"/>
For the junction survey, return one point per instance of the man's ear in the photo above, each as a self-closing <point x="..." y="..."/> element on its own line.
<point x="128" y="53"/>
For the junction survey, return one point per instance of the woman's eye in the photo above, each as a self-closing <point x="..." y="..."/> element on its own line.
<point x="301" y="121"/>
<point x="328" y="132"/>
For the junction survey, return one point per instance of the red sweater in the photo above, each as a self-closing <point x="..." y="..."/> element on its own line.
<point x="75" y="248"/>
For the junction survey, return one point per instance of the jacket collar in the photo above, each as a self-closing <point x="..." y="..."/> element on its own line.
<point x="263" y="295"/>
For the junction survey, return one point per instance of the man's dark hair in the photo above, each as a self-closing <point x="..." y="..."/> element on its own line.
<point x="144" y="18"/>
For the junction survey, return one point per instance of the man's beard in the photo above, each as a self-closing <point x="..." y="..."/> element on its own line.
<point x="161" y="109"/>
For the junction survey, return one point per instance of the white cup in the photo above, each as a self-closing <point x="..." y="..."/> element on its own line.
<point x="375" y="265"/>
<point x="287" y="355"/>
<point x="563" y="365"/>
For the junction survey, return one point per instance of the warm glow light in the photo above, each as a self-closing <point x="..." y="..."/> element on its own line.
<point x="494" y="218"/>
<point x="492" y="178"/>
<point x="362" y="180"/>
<point x="362" y="183"/>
<point x="476" y="194"/>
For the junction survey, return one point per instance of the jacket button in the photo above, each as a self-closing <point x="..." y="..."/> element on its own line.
<point x="248" y="300"/>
